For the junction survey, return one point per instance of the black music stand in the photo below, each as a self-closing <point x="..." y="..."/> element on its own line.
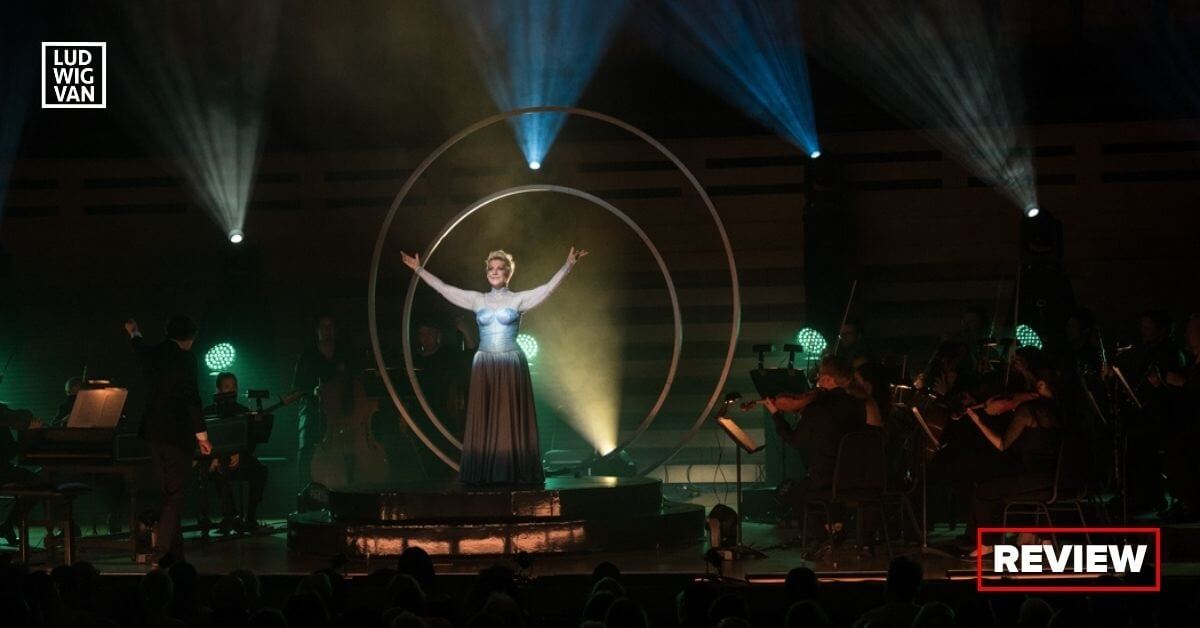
<point x="926" y="434"/>
<point x="741" y="441"/>
<point x="1121" y="444"/>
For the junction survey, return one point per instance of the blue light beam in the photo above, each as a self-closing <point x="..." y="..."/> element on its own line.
<point x="754" y="57"/>
<point x="534" y="53"/>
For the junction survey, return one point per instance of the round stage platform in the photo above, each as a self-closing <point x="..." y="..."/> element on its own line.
<point x="564" y="515"/>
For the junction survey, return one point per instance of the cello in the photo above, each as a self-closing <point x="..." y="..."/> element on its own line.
<point x="349" y="452"/>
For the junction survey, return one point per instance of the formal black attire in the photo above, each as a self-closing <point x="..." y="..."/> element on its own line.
<point x="818" y="434"/>
<point x="64" y="412"/>
<point x="1148" y="429"/>
<point x="443" y="375"/>
<point x="1029" y="461"/>
<point x="1184" y="427"/>
<point x="312" y="368"/>
<point x="171" y="420"/>
<point x="250" y="470"/>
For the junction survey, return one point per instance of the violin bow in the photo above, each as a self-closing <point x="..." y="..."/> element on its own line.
<point x="845" y="315"/>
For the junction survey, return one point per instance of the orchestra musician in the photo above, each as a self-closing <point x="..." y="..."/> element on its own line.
<point x="172" y="422"/>
<point x="323" y="360"/>
<point x="443" y="370"/>
<point x="974" y="332"/>
<point x="13" y="419"/>
<point x="871" y="386"/>
<point x="953" y="379"/>
<point x="1150" y="360"/>
<point x="223" y="471"/>
<point x="1030" y="446"/>
<point x="950" y="374"/>
<point x="827" y="413"/>
<point x="1183" y="429"/>
<point x="71" y="389"/>
<point x="853" y="347"/>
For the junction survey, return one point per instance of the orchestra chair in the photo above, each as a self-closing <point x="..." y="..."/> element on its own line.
<point x="48" y="494"/>
<point x="1068" y="493"/>
<point x="859" y="481"/>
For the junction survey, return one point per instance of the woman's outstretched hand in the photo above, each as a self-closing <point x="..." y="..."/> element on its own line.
<point x="412" y="261"/>
<point x="574" y="256"/>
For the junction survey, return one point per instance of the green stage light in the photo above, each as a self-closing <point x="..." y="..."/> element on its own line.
<point x="813" y="342"/>
<point x="1027" y="337"/>
<point x="528" y="345"/>
<point x="220" y="357"/>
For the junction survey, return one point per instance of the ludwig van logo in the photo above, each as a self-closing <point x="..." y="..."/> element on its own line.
<point x="1065" y="560"/>
<point x="74" y="75"/>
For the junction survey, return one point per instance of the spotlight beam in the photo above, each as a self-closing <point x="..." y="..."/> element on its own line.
<point x="532" y="53"/>
<point x="754" y="57"/>
<point x="944" y="67"/>
<point x="199" y="93"/>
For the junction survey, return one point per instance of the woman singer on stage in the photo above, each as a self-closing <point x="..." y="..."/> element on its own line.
<point x="500" y="444"/>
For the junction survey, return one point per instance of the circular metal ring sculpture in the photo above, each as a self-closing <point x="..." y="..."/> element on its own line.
<point x="736" y="316"/>
<point x="527" y="189"/>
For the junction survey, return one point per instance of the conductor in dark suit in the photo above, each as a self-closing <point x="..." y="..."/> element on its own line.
<point x="172" y="422"/>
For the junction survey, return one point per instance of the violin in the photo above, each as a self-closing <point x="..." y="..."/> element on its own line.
<point x="794" y="402"/>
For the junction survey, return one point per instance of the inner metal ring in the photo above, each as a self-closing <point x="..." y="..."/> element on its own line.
<point x="381" y="240"/>
<point x="528" y="189"/>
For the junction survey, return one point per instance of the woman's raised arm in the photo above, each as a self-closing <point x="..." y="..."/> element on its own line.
<point x="466" y="299"/>
<point x="529" y="299"/>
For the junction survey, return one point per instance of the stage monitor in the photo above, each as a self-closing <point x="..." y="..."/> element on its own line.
<point x="97" y="407"/>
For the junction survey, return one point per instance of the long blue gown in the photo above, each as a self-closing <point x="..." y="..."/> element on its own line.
<point x="500" y="443"/>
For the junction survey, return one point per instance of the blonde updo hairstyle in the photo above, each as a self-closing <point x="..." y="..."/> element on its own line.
<point x="503" y="256"/>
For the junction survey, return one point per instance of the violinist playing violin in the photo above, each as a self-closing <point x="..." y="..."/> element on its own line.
<point x="1030" y="446"/>
<point x="827" y="413"/>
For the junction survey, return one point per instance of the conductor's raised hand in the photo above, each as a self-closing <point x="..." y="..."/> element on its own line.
<point x="412" y="261"/>
<point x="574" y="255"/>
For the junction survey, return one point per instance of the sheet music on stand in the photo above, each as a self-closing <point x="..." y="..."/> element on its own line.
<point x="97" y="407"/>
<point x="739" y="435"/>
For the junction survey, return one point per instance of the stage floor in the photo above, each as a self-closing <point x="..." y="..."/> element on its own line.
<point x="267" y="554"/>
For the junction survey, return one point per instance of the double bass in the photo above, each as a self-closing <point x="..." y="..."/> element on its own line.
<point x="349" y="452"/>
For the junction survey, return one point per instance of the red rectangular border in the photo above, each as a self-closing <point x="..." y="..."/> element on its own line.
<point x="1155" y="588"/>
